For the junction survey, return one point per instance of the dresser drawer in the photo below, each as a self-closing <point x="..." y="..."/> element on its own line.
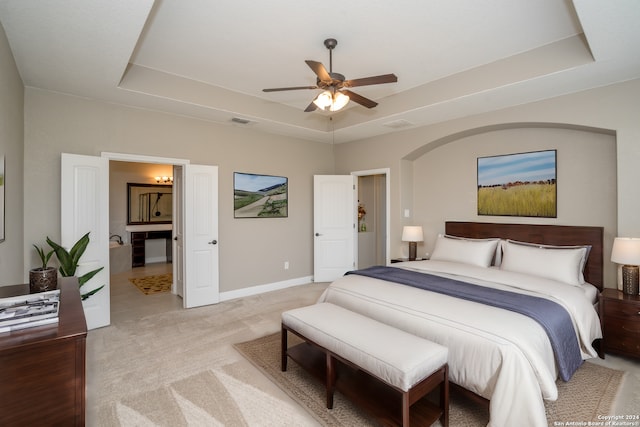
<point x="622" y="326"/>
<point x="626" y="343"/>
<point x="622" y="309"/>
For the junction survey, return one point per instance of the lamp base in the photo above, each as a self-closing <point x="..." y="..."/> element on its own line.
<point x="630" y="274"/>
<point x="413" y="249"/>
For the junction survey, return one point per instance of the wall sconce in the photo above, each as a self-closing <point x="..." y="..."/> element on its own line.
<point x="412" y="234"/>
<point x="164" y="179"/>
<point x="626" y="251"/>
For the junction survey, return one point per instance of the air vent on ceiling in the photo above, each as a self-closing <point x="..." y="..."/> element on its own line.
<point x="240" y="121"/>
<point x="397" y="124"/>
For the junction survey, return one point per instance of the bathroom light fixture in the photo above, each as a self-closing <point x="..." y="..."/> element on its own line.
<point x="164" y="179"/>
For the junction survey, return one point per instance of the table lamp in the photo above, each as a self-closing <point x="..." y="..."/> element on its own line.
<point x="626" y="251"/>
<point x="412" y="234"/>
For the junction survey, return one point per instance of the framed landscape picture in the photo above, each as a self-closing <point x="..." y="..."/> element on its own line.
<point x="521" y="184"/>
<point x="1" y="198"/>
<point x="260" y="196"/>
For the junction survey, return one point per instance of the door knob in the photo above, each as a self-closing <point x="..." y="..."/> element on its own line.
<point x="318" y="234"/>
<point x="175" y="238"/>
<point x="213" y="242"/>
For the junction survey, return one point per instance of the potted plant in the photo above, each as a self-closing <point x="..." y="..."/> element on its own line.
<point x="69" y="261"/>
<point x="43" y="278"/>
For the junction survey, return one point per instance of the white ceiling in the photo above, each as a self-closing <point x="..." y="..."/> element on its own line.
<point x="211" y="59"/>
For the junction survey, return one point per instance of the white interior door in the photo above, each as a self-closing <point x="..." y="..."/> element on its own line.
<point x="201" y="286"/>
<point x="334" y="226"/>
<point x="85" y="208"/>
<point x="178" y="232"/>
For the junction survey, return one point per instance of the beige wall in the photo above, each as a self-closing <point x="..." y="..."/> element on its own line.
<point x="252" y="251"/>
<point x="586" y="176"/>
<point x="54" y="123"/>
<point x="11" y="136"/>
<point x="612" y="109"/>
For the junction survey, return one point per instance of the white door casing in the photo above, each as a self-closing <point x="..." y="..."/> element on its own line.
<point x="84" y="205"/>
<point x="200" y="192"/>
<point x="334" y="226"/>
<point x="178" y="232"/>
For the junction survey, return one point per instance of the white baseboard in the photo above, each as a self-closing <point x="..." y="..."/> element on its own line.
<point x="260" y="289"/>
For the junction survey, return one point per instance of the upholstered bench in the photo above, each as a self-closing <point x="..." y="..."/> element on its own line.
<point x="407" y="363"/>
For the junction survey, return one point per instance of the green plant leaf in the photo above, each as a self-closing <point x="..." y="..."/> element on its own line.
<point x="67" y="266"/>
<point x="88" y="294"/>
<point x="44" y="257"/>
<point x="69" y="261"/>
<point x="87" y="276"/>
<point x="78" y="248"/>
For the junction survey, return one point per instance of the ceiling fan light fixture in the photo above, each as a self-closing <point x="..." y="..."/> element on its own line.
<point x="323" y="100"/>
<point x="340" y="100"/>
<point x="330" y="101"/>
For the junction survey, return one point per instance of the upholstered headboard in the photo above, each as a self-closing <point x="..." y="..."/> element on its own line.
<point x="564" y="235"/>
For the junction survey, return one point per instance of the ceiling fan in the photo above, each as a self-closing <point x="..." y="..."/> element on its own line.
<point x="336" y="95"/>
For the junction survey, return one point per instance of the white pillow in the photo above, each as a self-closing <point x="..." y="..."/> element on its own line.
<point x="560" y="263"/>
<point x="478" y="252"/>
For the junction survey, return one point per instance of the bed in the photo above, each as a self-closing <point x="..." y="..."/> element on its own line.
<point x="505" y="357"/>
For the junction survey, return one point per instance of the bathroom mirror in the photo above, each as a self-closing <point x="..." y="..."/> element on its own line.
<point x="149" y="204"/>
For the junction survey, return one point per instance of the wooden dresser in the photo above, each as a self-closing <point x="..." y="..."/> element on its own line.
<point x="42" y="369"/>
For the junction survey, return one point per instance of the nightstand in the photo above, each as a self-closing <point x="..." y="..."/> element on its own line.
<point x="620" y="318"/>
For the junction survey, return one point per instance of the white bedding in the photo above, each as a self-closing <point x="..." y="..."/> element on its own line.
<point x="488" y="352"/>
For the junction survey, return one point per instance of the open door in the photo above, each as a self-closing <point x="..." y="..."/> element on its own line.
<point x="84" y="193"/>
<point x="334" y="207"/>
<point x="200" y="216"/>
<point x="178" y="232"/>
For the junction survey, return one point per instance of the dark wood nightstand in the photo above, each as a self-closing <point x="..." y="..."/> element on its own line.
<point x="620" y="318"/>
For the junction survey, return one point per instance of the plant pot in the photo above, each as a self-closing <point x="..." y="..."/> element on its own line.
<point x="43" y="279"/>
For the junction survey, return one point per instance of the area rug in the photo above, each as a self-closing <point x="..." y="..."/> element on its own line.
<point x="590" y="393"/>
<point x="153" y="284"/>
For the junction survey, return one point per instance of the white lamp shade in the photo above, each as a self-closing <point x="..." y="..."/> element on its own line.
<point x="626" y="250"/>
<point x="412" y="233"/>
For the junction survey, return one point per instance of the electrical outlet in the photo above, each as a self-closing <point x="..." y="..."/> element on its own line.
<point x="286" y="265"/>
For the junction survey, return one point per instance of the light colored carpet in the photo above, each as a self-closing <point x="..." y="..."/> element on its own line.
<point x="590" y="392"/>
<point x="160" y="365"/>
<point x="153" y="284"/>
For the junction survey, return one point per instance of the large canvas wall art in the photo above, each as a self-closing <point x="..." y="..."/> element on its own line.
<point x="521" y="184"/>
<point x="2" y="174"/>
<point x="260" y="196"/>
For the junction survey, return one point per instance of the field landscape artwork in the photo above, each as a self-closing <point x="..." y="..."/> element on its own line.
<point x="518" y="184"/>
<point x="259" y="196"/>
<point x="1" y="198"/>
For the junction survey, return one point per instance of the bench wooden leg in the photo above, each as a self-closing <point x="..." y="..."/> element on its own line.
<point x="406" y="419"/>
<point x="283" y="350"/>
<point x="331" y="379"/>
<point x="444" y="397"/>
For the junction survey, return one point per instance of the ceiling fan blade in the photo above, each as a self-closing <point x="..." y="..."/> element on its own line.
<point x="365" y="102"/>
<point x="278" y="89"/>
<point x="375" y="80"/>
<point x="319" y="69"/>
<point x="311" y="107"/>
